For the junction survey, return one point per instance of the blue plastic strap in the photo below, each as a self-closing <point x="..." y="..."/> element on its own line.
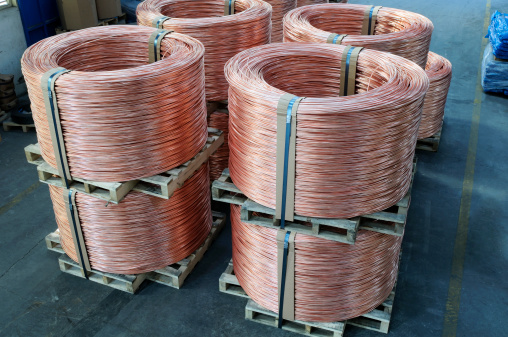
<point x="155" y="41"/>
<point x="53" y="115"/>
<point x="161" y="20"/>
<point x="286" y="160"/>
<point x="283" y="278"/>
<point x="75" y="226"/>
<point x="335" y="39"/>
<point x="370" y="19"/>
<point x="230" y="1"/>
<point x="348" y="59"/>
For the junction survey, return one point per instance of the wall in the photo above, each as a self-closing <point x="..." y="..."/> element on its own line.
<point x="12" y="46"/>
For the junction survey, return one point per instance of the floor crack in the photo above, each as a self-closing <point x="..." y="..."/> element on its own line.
<point x="4" y="273"/>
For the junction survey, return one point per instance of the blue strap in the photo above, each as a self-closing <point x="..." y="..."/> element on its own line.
<point x="283" y="277"/>
<point x="53" y="115"/>
<point x="162" y="19"/>
<point x="335" y="39"/>
<point x="75" y="226"/>
<point x="230" y="1"/>
<point x="370" y="19"/>
<point x="155" y="41"/>
<point x="286" y="160"/>
<point x="347" y="70"/>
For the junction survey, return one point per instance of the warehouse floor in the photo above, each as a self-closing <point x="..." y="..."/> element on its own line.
<point x="455" y="253"/>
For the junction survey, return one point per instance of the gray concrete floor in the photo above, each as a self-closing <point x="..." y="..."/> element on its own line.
<point x="36" y="299"/>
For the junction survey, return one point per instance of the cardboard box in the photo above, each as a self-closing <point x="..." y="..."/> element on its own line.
<point x="77" y="14"/>
<point x="108" y="8"/>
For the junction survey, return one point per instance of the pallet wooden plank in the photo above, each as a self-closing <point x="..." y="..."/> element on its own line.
<point x="8" y="124"/>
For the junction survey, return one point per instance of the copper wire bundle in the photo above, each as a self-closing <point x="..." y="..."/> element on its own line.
<point x="219" y="160"/>
<point x="333" y="281"/>
<point x="142" y="233"/>
<point x="396" y="31"/>
<point x="280" y="9"/>
<point x="439" y="71"/>
<point x="354" y="154"/>
<point x="223" y="36"/>
<point x="302" y="3"/>
<point x="122" y="118"/>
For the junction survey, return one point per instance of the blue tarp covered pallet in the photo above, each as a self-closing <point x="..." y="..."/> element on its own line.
<point x="495" y="57"/>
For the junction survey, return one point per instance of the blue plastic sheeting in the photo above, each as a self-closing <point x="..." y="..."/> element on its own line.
<point x="39" y="18"/>
<point x="129" y="8"/>
<point x="498" y="35"/>
<point x="494" y="73"/>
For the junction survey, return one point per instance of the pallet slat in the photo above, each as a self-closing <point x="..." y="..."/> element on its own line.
<point x="162" y="185"/>
<point x="172" y="276"/>
<point x="431" y="143"/>
<point x="8" y="124"/>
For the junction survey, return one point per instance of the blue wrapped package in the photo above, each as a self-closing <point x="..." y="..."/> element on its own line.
<point x="129" y="7"/>
<point x="494" y="72"/>
<point x="498" y="35"/>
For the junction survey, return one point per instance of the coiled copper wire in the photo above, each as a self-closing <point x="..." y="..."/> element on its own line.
<point x="333" y="281"/>
<point x="439" y="71"/>
<point x="142" y="233"/>
<point x="223" y="36"/>
<point x="302" y="3"/>
<point x="280" y="8"/>
<point x="396" y="31"/>
<point x="219" y="160"/>
<point x="122" y="117"/>
<point x="354" y="154"/>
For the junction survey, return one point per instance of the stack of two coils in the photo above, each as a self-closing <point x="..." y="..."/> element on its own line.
<point x="126" y="112"/>
<point x="353" y="156"/>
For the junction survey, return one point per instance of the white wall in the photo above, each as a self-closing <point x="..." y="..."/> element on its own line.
<point x="12" y="46"/>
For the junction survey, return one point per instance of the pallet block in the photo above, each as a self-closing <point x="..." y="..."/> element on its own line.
<point x="171" y="276"/>
<point x="161" y="185"/>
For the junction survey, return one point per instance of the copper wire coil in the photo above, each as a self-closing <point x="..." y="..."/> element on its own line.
<point x="354" y="154"/>
<point x="280" y="9"/>
<point x="223" y="36"/>
<point x="333" y="281"/>
<point x="396" y="31"/>
<point x="142" y="233"/>
<point x="219" y="160"/>
<point x="122" y="117"/>
<point x="302" y="3"/>
<point x="439" y="71"/>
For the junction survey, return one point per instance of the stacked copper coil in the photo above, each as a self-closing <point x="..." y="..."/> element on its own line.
<point x="354" y="154"/>
<point x="333" y="281"/>
<point x="439" y="71"/>
<point x="396" y="31"/>
<point x="122" y="117"/>
<point x="142" y="233"/>
<point x="219" y="160"/>
<point x="280" y="9"/>
<point x="222" y="35"/>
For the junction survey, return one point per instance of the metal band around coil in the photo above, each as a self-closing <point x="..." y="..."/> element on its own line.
<point x="154" y="44"/>
<point x="158" y="21"/>
<point x="348" y="70"/>
<point x="335" y="38"/>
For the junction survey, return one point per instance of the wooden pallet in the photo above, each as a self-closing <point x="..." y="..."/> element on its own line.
<point x="3" y="116"/>
<point x="105" y="22"/>
<point x="171" y="276"/>
<point x="390" y="221"/>
<point x="221" y="106"/>
<point x="9" y="125"/>
<point x="161" y="185"/>
<point x="377" y="320"/>
<point x="431" y="143"/>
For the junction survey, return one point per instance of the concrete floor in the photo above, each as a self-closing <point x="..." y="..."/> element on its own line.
<point x="454" y="266"/>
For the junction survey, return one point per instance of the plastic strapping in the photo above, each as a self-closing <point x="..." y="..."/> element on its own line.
<point x="286" y="275"/>
<point x="229" y="7"/>
<point x="77" y="233"/>
<point x="52" y="114"/>
<point x="335" y="38"/>
<point x="286" y="155"/>
<point x="348" y="70"/>
<point x="369" y="20"/>
<point x="158" y="21"/>
<point x="154" y="44"/>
